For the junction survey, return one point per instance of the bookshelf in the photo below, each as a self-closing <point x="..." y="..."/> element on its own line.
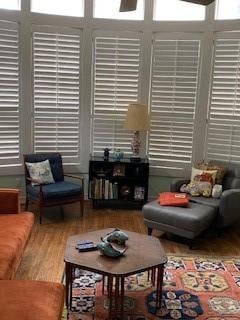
<point x="122" y="184"/>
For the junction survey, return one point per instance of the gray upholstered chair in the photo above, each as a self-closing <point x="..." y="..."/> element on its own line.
<point x="201" y="212"/>
<point x="58" y="193"/>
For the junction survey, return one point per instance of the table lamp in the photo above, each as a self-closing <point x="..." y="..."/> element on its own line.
<point x="137" y="119"/>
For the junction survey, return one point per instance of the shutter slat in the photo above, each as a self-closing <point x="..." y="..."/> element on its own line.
<point x="116" y="84"/>
<point x="223" y="139"/>
<point x="56" y="94"/>
<point x="175" y="65"/>
<point x="9" y="97"/>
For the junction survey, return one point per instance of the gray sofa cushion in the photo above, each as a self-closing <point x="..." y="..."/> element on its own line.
<point x="188" y="222"/>
<point x="207" y="201"/>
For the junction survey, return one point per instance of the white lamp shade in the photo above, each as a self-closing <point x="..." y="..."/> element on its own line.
<point x="137" y="117"/>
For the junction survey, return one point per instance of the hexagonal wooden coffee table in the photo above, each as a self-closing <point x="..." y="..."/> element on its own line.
<point x="144" y="253"/>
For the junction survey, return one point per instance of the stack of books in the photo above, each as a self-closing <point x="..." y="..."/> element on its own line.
<point x="103" y="189"/>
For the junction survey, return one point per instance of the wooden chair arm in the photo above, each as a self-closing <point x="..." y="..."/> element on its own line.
<point x="73" y="176"/>
<point x="76" y="177"/>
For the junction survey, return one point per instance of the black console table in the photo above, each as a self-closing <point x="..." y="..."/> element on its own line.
<point x="118" y="184"/>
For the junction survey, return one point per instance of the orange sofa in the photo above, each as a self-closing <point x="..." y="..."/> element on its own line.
<point x="15" y="230"/>
<point x="22" y="299"/>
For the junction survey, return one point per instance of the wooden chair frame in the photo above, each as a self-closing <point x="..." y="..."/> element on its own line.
<point x="41" y="202"/>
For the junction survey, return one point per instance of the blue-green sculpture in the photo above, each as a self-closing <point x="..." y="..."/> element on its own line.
<point x="116" y="236"/>
<point x="108" y="249"/>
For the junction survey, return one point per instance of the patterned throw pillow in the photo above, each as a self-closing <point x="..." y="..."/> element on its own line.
<point x="198" y="188"/>
<point x="40" y="172"/>
<point x="220" y="170"/>
<point x="203" y="175"/>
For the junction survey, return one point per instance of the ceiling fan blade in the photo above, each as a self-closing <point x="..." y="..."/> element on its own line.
<point x="203" y="2"/>
<point x="131" y="5"/>
<point x="128" y="5"/>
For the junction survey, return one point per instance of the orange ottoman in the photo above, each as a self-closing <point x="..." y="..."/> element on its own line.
<point x="31" y="300"/>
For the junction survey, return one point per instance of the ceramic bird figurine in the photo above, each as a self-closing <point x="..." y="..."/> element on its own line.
<point x="117" y="236"/>
<point x="107" y="249"/>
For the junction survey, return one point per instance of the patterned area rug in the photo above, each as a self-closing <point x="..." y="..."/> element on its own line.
<point x="194" y="288"/>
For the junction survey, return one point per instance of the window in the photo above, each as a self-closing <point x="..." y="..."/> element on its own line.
<point x="10" y="4"/>
<point x="61" y="7"/>
<point x="228" y="9"/>
<point x="9" y="95"/>
<point x="177" y="10"/>
<point x="223" y="140"/>
<point x="173" y="101"/>
<point x="116" y="84"/>
<point x="56" y="58"/>
<point x="109" y="9"/>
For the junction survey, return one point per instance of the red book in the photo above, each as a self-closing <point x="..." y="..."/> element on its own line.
<point x="174" y="199"/>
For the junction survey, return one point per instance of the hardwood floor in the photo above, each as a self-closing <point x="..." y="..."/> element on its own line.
<point x="43" y="257"/>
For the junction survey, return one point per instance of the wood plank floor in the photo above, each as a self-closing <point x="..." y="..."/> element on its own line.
<point x="43" y="257"/>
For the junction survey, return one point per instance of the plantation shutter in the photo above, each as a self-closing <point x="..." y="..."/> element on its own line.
<point x="116" y="84"/>
<point x="9" y="95"/>
<point x="56" y="60"/>
<point x="175" y="67"/>
<point x="223" y="139"/>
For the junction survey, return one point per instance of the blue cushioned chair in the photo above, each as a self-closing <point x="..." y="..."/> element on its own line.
<point x="58" y="193"/>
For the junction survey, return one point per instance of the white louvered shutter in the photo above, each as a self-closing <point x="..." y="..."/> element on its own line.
<point x="56" y="60"/>
<point x="175" y="68"/>
<point x="223" y="139"/>
<point x="116" y="84"/>
<point x="9" y="95"/>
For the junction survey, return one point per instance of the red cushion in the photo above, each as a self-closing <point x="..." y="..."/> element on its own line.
<point x="174" y="199"/>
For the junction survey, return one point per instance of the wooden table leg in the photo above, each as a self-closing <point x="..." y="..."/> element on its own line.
<point x="122" y="298"/>
<point x="153" y="276"/>
<point x="160" y="272"/>
<point x="68" y="273"/>
<point x="110" y="297"/>
<point x="103" y="284"/>
<point x="117" y="294"/>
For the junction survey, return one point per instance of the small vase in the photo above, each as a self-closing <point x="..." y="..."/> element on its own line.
<point x="118" y="155"/>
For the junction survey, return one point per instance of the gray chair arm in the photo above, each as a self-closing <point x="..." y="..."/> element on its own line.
<point x="229" y="207"/>
<point x="177" y="183"/>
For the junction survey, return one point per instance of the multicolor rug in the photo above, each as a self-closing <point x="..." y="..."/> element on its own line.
<point x="194" y="288"/>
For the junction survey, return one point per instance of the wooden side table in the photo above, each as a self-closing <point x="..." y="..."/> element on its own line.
<point x="144" y="253"/>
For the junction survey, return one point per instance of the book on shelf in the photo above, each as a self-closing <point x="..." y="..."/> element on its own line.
<point x="106" y="189"/>
<point x="103" y="189"/>
<point x="115" y="190"/>
<point x="110" y="195"/>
